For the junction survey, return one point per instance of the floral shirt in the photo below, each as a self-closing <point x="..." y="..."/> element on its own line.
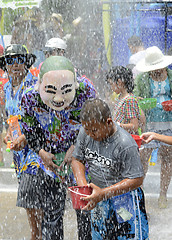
<point x="25" y="160"/>
<point x="49" y="129"/>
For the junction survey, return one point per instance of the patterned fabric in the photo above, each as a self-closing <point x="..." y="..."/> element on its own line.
<point x="51" y="130"/>
<point x="143" y="87"/>
<point x="126" y="109"/>
<point x="25" y="160"/>
<point x="161" y="91"/>
<point x="106" y="223"/>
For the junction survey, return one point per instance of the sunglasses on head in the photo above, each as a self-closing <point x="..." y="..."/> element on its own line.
<point x="17" y="59"/>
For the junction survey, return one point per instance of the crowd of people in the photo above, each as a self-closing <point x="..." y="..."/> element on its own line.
<point x="62" y="117"/>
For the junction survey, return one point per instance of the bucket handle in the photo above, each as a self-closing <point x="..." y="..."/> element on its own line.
<point x="79" y="193"/>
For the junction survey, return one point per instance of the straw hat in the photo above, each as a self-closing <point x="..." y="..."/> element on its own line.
<point x="153" y="60"/>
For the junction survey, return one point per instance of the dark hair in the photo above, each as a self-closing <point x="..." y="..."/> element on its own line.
<point x="135" y="41"/>
<point x="124" y="74"/>
<point x="95" y="109"/>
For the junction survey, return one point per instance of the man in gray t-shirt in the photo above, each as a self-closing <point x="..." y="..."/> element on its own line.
<point x="111" y="160"/>
<point x="117" y="201"/>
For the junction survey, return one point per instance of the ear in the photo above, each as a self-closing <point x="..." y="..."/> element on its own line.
<point x="37" y="85"/>
<point x="109" y="121"/>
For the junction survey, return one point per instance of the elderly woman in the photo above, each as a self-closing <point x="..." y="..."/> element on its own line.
<point x="16" y="61"/>
<point x="156" y="82"/>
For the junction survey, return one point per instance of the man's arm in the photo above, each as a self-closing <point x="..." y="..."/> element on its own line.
<point x="79" y="172"/>
<point x="119" y="188"/>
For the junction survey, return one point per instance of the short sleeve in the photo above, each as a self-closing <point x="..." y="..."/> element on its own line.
<point x="131" y="163"/>
<point x="79" y="151"/>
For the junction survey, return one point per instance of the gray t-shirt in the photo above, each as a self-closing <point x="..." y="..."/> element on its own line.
<point x="109" y="161"/>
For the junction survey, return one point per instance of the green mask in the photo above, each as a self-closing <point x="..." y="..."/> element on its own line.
<point x="54" y="63"/>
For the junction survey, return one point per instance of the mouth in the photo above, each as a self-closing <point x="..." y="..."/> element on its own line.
<point x="57" y="104"/>
<point x="16" y="71"/>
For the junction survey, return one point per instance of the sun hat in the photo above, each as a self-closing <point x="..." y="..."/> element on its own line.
<point x="55" y="43"/>
<point x="153" y="60"/>
<point x="54" y="63"/>
<point x="14" y="50"/>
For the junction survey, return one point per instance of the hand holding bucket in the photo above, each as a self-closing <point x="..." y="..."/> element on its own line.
<point x="76" y="193"/>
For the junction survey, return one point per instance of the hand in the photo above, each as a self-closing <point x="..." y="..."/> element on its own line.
<point x="96" y="196"/>
<point x="19" y="143"/>
<point x="7" y="138"/>
<point x="139" y="98"/>
<point x="68" y="157"/>
<point x="47" y="159"/>
<point x="148" y="137"/>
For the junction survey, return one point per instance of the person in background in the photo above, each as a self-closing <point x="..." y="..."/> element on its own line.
<point x="137" y="50"/>
<point x="116" y="172"/>
<point x="16" y="62"/>
<point x="54" y="47"/>
<point x="54" y="26"/>
<point x="126" y="110"/>
<point x="155" y="81"/>
<point x="51" y="124"/>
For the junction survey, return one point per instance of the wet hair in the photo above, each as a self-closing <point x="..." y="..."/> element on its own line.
<point x="124" y="74"/>
<point x="135" y="41"/>
<point x="95" y="109"/>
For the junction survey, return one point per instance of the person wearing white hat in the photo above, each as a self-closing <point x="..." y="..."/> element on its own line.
<point x="155" y="81"/>
<point x="55" y="47"/>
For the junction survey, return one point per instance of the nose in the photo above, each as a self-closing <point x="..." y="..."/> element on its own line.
<point x="58" y="98"/>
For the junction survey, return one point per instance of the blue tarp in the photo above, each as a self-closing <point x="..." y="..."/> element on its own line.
<point x="129" y="19"/>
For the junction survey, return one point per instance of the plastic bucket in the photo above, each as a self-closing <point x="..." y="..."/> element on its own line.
<point x="167" y="105"/>
<point x="76" y="192"/>
<point x="147" y="103"/>
<point x="138" y="139"/>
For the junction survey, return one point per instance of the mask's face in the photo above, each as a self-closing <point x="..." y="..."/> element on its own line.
<point x="57" y="89"/>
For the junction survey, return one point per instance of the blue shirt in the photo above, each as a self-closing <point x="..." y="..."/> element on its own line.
<point x="161" y="91"/>
<point x="25" y="160"/>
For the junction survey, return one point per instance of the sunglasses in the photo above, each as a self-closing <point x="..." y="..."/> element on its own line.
<point x="12" y="60"/>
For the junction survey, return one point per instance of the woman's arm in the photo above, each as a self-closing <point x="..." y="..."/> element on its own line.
<point x="149" y="136"/>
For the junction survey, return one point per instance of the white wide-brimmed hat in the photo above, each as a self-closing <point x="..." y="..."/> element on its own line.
<point x="153" y="60"/>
